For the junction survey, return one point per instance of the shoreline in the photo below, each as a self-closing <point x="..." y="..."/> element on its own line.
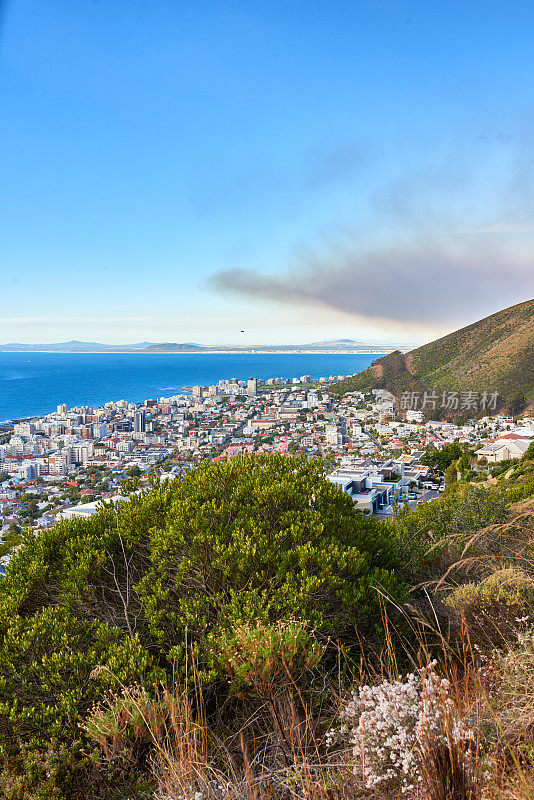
<point x="9" y="422"/>
<point x="205" y="352"/>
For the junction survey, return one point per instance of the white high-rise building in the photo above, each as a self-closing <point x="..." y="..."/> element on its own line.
<point x="27" y="471"/>
<point x="82" y="452"/>
<point x="17" y="442"/>
<point x="24" y="428"/>
<point x="100" y="429"/>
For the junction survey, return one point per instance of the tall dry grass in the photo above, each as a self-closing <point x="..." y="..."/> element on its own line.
<point x="286" y="757"/>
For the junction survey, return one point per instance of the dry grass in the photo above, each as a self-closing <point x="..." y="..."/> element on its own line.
<point x="288" y="760"/>
<point x="452" y="764"/>
<point x="191" y="763"/>
<point x="505" y="544"/>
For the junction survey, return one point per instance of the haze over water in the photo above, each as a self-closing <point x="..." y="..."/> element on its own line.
<point x="33" y="384"/>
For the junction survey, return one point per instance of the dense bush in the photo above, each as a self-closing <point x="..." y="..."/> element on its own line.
<point x="433" y="535"/>
<point x="496" y="608"/>
<point x="135" y="589"/>
<point x="521" y="489"/>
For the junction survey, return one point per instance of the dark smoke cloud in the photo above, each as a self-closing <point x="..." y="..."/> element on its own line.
<point x="448" y="243"/>
<point x="423" y="283"/>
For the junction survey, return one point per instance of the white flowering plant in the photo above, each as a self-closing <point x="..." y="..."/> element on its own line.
<point x="390" y="728"/>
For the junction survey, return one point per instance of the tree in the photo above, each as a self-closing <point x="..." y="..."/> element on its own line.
<point x="30" y="510"/>
<point x="14" y="530"/>
<point x="128" y="486"/>
<point x="451" y="474"/>
<point x="329" y="461"/>
<point x="464" y="462"/>
<point x="444" y="457"/>
<point x="11" y="539"/>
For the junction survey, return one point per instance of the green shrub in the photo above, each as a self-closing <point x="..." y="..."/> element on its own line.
<point x="495" y="609"/>
<point x="262" y="538"/>
<point x="434" y="535"/>
<point x="262" y="657"/>
<point x="124" y="726"/>
<point x="136" y="588"/>
<point x="502" y="467"/>
<point x="522" y="488"/>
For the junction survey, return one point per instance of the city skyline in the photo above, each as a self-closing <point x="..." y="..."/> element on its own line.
<point x="244" y="174"/>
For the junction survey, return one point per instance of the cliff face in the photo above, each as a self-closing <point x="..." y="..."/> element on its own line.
<point x="493" y="355"/>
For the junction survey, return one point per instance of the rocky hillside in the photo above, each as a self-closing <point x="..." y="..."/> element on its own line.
<point x="495" y="354"/>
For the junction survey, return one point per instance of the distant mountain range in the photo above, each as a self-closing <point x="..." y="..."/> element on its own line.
<point x="72" y="347"/>
<point x="495" y="354"/>
<point x="331" y="345"/>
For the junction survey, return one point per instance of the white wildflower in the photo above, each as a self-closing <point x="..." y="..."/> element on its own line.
<point x="389" y="724"/>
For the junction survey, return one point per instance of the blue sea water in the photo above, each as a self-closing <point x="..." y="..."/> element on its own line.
<point x="32" y="384"/>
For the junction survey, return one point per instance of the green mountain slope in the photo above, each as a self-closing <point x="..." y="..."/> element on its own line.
<point x="495" y="354"/>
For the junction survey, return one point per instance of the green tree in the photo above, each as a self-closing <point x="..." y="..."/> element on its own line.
<point x="443" y="458"/>
<point x="11" y="540"/>
<point x="329" y="461"/>
<point x="464" y="462"/>
<point x="451" y="473"/>
<point x="128" y="486"/>
<point x="14" y="530"/>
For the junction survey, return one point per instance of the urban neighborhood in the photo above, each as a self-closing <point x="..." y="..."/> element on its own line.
<point x="66" y="463"/>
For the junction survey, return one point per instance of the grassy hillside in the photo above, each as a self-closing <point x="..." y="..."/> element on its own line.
<point x="495" y="354"/>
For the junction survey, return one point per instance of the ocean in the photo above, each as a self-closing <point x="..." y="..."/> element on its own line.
<point x="32" y="384"/>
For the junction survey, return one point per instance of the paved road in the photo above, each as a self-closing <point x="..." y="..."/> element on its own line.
<point x="430" y="494"/>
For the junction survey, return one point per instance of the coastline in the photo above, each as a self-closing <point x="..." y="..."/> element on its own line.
<point x="205" y="352"/>
<point x="32" y="385"/>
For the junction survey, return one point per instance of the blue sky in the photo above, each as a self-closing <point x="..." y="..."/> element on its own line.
<point x="182" y="171"/>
